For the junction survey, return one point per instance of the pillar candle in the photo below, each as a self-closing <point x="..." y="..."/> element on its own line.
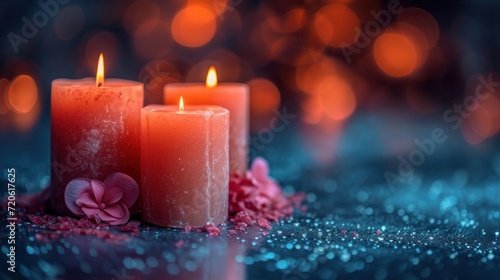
<point x="232" y="96"/>
<point x="95" y="131"/>
<point x="184" y="165"/>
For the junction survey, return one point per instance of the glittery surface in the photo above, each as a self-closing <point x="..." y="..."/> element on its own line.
<point x="441" y="223"/>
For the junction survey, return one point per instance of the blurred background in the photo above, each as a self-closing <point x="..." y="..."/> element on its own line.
<point x="386" y="113"/>
<point x="380" y="74"/>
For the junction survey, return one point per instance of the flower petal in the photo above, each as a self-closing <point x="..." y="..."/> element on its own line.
<point x="126" y="184"/>
<point x="112" y="195"/>
<point x="86" y="199"/>
<point x="98" y="190"/>
<point x="90" y="211"/>
<point x="114" y="210"/>
<point x="260" y="169"/>
<point x="95" y="219"/>
<point x="73" y="190"/>
<point x="125" y="217"/>
<point x="106" y="217"/>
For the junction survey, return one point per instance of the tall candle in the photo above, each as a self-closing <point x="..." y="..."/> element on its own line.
<point x="95" y="131"/>
<point x="232" y="96"/>
<point x="184" y="165"/>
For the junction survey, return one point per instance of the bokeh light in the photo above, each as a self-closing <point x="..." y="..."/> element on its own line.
<point x="293" y="20"/>
<point x="193" y="26"/>
<point x="395" y="54"/>
<point x="413" y="33"/>
<point x="219" y="7"/>
<point x="22" y="94"/>
<point x="313" y="68"/>
<point x="25" y="122"/>
<point x="422" y="20"/>
<point x="482" y="120"/>
<point x="312" y="110"/>
<point x="4" y="87"/>
<point x="264" y="97"/>
<point x="337" y="98"/>
<point x="336" y="25"/>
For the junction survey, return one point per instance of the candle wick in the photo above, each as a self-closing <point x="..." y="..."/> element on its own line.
<point x="99" y="85"/>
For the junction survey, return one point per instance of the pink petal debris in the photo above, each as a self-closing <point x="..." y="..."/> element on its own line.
<point x="212" y="229"/>
<point x="256" y="199"/>
<point x="55" y="227"/>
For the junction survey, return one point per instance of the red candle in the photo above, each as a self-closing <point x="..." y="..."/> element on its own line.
<point x="95" y="131"/>
<point x="232" y="96"/>
<point x="184" y="165"/>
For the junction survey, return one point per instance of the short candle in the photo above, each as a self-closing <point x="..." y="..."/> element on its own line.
<point x="184" y="165"/>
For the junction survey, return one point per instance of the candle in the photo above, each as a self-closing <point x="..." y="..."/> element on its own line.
<point x="95" y="131"/>
<point x="184" y="165"/>
<point x="232" y="96"/>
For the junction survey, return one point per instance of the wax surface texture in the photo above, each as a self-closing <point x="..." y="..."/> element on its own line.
<point x="95" y="131"/>
<point x="184" y="165"/>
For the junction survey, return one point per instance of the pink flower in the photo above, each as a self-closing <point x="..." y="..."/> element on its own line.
<point x="259" y="175"/>
<point x="107" y="201"/>
<point x="257" y="195"/>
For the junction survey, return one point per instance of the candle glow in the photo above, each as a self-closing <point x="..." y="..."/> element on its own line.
<point x="181" y="104"/>
<point x="211" y="77"/>
<point x="99" y="77"/>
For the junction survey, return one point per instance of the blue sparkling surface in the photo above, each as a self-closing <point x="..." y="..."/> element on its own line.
<point x="443" y="223"/>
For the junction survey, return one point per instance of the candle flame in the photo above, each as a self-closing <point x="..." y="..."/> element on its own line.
<point x="211" y="77"/>
<point x="99" y="78"/>
<point x="181" y="104"/>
